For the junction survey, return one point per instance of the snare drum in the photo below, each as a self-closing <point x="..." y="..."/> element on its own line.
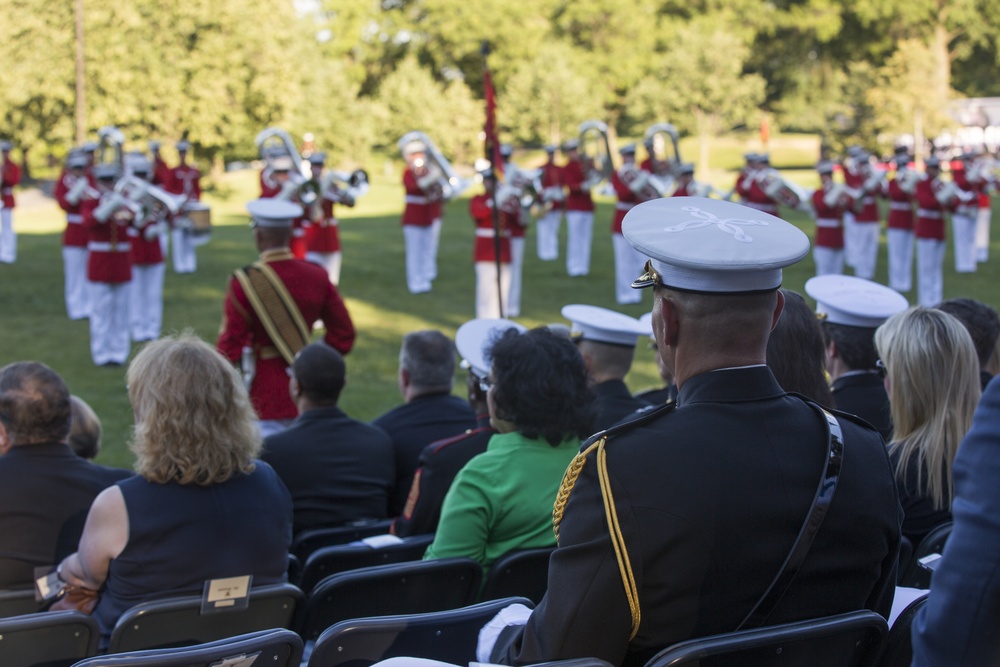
<point x="200" y="216"/>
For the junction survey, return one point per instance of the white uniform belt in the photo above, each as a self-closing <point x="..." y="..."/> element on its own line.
<point x="827" y="222"/>
<point x="105" y="246"/>
<point x="74" y="218"/>
<point x="414" y="199"/>
<point x="624" y="206"/>
<point x="928" y="213"/>
<point x="484" y="233"/>
<point x="901" y="206"/>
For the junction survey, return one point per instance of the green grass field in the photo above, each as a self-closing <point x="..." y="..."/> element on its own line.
<point x="34" y="323"/>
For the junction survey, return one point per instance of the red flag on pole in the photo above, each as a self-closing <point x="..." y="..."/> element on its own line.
<point x="492" y="140"/>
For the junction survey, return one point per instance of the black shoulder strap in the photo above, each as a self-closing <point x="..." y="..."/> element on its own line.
<point x="814" y="519"/>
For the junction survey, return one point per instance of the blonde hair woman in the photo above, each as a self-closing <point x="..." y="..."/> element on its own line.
<point x="932" y="378"/>
<point x="202" y="507"/>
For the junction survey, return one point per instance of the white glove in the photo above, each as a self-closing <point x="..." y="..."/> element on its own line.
<point x="515" y="614"/>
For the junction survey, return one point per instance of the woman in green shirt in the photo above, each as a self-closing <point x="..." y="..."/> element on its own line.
<point x="540" y="404"/>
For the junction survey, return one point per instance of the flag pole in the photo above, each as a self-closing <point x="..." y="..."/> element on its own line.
<point x="492" y="149"/>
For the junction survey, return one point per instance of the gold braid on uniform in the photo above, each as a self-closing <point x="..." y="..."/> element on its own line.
<point x="275" y="308"/>
<point x="611" y="516"/>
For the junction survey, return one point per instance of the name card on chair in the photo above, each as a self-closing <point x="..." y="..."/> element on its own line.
<point x="237" y="661"/>
<point x="229" y="594"/>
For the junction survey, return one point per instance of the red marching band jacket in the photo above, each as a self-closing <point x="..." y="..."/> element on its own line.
<point x="551" y="177"/>
<point x="930" y="212"/>
<point x="627" y="199"/>
<point x="829" y="220"/>
<point x="323" y="234"/>
<point x="110" y="252"/>
<point x="573" y="176"/>
<point x="146" y="248"/>
<point x="900" y="206"/>
<point x="484" y="250"/>
<point x="421" y="210"/>
<point x="74" y="236"/>
<point x="10" y="175"/>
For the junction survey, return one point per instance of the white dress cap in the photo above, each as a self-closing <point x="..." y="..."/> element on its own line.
<point x="697" y="244"/>
<point x="273" y="212"/>
<point x="854" y="302"/>
<point x="6" y="146"/>
<point x="475" y="338"/>
<point x="601" y="325"/>
<point x="183" y="145"/>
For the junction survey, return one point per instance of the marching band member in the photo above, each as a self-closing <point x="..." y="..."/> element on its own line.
<point x="485" y="252"/>
<point x="829" y="203"/>
<point x="554" y="200"/>
<point x="323" y="241"/>
<point x="72" y="189"/>
<point x="686" y="185"/>
<point x="985" y="183"/>
<point x="278" y="182"/>
<point x="185" y="179"/>
<point x="651" y="164"/>
<point x="579" y="211"/>
<point x="421" y="220"/>
<point x="964" y="219"/>
<point x="10" y="176"/>
<point x="854" y="179"/>
<point x="517" y="227"/>
<point x="162" y="174"/>
<point x="109" y="269"/>
<point x="745" y="179"/>
<point x="929" y="231"/>
<point x="899" y="232"/>
<point x="867" y="220"/>
<point x="145" y="308"/>
<point x="758" y="199"/>
<point x="628" y="261"/>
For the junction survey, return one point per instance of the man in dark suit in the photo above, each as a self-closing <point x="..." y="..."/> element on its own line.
<point x="674" y="524"/>
<point x="983" y="324"/>
<point x="45" y="488"/>
<point x="337" y="469"/>
<point x="851" y="309"/>
<point x="959" y="624"/>
<point x="429" y="412"/>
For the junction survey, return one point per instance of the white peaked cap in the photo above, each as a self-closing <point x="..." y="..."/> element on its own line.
<point x="853" y="301"/>
<point x="273" y="212"/>
<point x="475" y="338"/>
<point x="602" y="325"/>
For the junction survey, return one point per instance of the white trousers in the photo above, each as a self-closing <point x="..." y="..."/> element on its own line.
<point x="435" y="242"/>
<point x="963" y="229"/>
<point x="548" y="235"/>
<point x="419" y="260"/>
<point x="983" y="234"/>
<point x="930" y="272"/>
<point x="828" y="260"/>
<point x="145" y="308"/>
<point x="185" y="260"/>
<point x="76" y="285"/>
<point x="850" y="239"/>
<point x="580" y="232"/>
<point x="109" y="339"/>
<point x="900" y="242"/>
<point x="629" y="263"/>
<point x="329" y="261"/>
<point x="487" y="299"/>
<point x="8" y="238"/>
<point x="866" y="249"/>
<point x="516" y="270"/>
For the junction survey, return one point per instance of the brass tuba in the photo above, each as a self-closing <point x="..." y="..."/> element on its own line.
<point x="653" y="140"/>
<point x="433" y="172"/>
<point x="111" y="148"/>
<point x="782" y="190"/>
<point x="274" y="142"/>
<point x="596" y="153"/>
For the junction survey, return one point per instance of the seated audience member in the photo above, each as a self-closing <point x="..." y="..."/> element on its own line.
<point x="983" y="324"/>
<point x="202" y="507"/>
<point x="851" y="309"/>
<point x="337" y="469"/>
<point x="668" y="392"/>
<point x="539" y="404"/>
<point x="958" y="626"/>
<point x="440" y="461"/>
<point x="429" y="411"/>
<point x="796" y="351"/>
<point x="606" y="340"/>
<point x="932" y="378"/>
<point x="45" y="489"/>
<point x="674" y="524"/>
<point x="85" y="429"/>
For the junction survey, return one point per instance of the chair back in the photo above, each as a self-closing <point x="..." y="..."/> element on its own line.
<point x="898" y="650"/>
<point x="270" y="648"/>
<point x="523" y="573"/>
<point x="389" y="590"/>
<point x="916" y="575"/>
<point x="450" y="636"/>
<point x="54" y="639"/>
<point x="178" y="621"/>
<point x="847" y="640"/>
<point x="340" y="558"/>
<point x="309" y="541"/>
<point x="16" y="603"/>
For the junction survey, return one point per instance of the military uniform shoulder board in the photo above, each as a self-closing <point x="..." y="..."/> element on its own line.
<point x="596" y="445"/>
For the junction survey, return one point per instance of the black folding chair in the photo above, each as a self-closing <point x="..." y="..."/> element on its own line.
<point x="54" y="639"/>
<point x="175" y="622"/>
<point x="269" y="648"/>
<point x="330" y="560"/>
<point x="523" y="573"/>
<point x="17" y="603"/>
<point x="848" y="640"/>
<point x="450" y="636"/>
<point x="309" y="541"/>
<point x="385" y="590"/>
<point x="918" y="576"/>
<point x="898" y="650"/>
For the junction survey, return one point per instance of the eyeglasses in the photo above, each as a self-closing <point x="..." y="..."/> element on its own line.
<point x="880" y="367"/>
<point x="649" y="276"/>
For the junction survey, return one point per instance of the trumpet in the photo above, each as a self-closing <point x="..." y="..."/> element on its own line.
<point x="79" y="188"/>
<point x="596" y="153"/>
<point x="948" y="192"/>
<point x="908" y="179"/>
<point x="778" y="188"/>
<point x="133" y="189"/>
<point x="433" y="172"/>
<point x="652" y="139"/>
<point x="840" y="195"/>
<point x="521" y="188"/>
<point x="345" y="187"/>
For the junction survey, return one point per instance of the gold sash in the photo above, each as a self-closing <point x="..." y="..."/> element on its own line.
<point x="275" y="308"/>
